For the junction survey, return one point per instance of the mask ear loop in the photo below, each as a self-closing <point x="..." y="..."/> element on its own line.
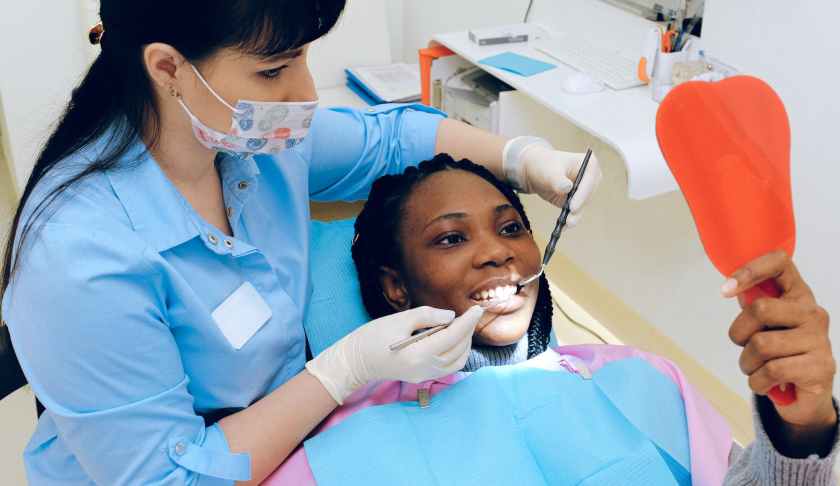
<point x="177" y="95"/>
<point x="211" y="90"/>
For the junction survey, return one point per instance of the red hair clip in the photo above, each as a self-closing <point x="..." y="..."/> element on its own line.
<point x="96" y="33"/>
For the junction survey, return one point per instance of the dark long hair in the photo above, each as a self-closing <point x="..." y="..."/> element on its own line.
<point x="377" y="244"/>
<point x="116" y="95"/>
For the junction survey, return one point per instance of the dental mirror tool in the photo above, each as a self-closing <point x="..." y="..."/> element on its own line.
<point x="728" y="145"/>
<point x="558" y="227"/>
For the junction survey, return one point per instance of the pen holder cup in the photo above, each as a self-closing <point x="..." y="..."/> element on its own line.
<point x="663" y="70"/>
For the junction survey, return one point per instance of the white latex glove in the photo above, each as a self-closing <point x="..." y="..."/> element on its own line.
<point x="363" y="355"/>
<point x="532" y="165"/>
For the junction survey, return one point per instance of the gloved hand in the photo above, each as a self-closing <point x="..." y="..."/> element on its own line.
<point x="532" y="165"/>
<point x="364" y="355"/>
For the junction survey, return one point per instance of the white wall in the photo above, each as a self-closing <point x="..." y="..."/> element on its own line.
<point x="423" y="18"/>
<point x="361" y="37"/>
<point x="395" y="14"/>
<point x="795" y="48"/>
<point x="43" y="53"/>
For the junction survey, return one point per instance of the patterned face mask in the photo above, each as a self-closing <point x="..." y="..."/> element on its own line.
<point x="258" y="127"/>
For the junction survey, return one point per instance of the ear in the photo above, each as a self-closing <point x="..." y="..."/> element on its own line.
<point x="165" y="66"/>
<point x="393" y="289"/>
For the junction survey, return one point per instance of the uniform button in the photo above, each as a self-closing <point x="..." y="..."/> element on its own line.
<point x="180" y="448"/>
<point x="242" y="185"/>
<point x="229" y="211"/>
<point x="371" y="110"/>
<point x="228" y="243"/>
<point x="213" y="239"/>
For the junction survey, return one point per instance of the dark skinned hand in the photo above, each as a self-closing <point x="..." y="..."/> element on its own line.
<point x="786" y="341"/>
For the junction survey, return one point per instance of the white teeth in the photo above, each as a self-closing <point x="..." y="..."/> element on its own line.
<point x="498" y="293"/>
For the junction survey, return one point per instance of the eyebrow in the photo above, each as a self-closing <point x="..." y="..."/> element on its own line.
<point x="283" y="55"/>
<point x="503" y="207"/>
<point x="499" y="209"/>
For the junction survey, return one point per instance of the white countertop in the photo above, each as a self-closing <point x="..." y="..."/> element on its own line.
<point x="624" y="119"/>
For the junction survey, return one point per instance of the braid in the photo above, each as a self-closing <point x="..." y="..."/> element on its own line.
<point x="539" y="332"/>
<point x="377" y="244"/>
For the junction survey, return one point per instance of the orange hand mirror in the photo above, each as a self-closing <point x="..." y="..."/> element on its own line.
<point x="728" y="145"/>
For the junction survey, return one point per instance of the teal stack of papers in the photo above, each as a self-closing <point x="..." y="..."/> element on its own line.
<point x="517" y="64"/>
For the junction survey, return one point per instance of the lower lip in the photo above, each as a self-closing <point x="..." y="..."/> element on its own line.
<point x="508" y="306"/>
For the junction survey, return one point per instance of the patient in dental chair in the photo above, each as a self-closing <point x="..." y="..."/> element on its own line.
<point x="448" y="234"/>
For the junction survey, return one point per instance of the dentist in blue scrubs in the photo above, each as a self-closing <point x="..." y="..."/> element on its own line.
<point x="156" y="279"/>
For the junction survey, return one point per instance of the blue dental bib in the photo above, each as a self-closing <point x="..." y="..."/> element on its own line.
<point x="515" y="425"/>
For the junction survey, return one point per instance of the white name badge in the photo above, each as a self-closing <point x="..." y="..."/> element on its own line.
<point x="241" y="315"/>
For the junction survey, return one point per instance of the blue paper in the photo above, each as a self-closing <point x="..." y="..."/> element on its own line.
<point x="517" y="64"/>
<point x="361" y="93"/>
<point x="360" y="88"/>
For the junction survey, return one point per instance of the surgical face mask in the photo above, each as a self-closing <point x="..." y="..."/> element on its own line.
<point x="258" y="127"/>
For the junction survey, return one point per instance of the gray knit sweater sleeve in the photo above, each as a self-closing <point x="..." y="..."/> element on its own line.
<point x="761" y="465"/>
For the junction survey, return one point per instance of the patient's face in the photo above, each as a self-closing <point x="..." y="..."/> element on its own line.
<point x="463" y="243"/>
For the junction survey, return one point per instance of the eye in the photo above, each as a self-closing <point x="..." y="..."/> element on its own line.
<point x="272" y="73"/>
<point x="513" y="228"/>
<point x="450" y="239"/>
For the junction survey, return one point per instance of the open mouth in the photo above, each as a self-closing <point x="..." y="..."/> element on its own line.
<point x="498" y="297"/>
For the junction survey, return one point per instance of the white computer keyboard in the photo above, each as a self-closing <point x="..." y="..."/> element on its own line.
<point x="615" y="68"/>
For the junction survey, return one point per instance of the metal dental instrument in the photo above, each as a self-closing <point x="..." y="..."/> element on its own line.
<point x="417" y="337"/>
<point x="558" y="227"/>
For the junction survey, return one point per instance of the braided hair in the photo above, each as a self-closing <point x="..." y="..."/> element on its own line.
<point x="377" y="244"/>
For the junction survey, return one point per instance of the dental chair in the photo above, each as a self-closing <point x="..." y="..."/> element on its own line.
<point x="11" y="374"/>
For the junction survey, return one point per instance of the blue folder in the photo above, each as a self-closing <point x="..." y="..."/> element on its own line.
<point x="357" y="86"/>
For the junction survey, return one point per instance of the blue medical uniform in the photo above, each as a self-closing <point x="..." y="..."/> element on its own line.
<point x="110" y="313"/>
